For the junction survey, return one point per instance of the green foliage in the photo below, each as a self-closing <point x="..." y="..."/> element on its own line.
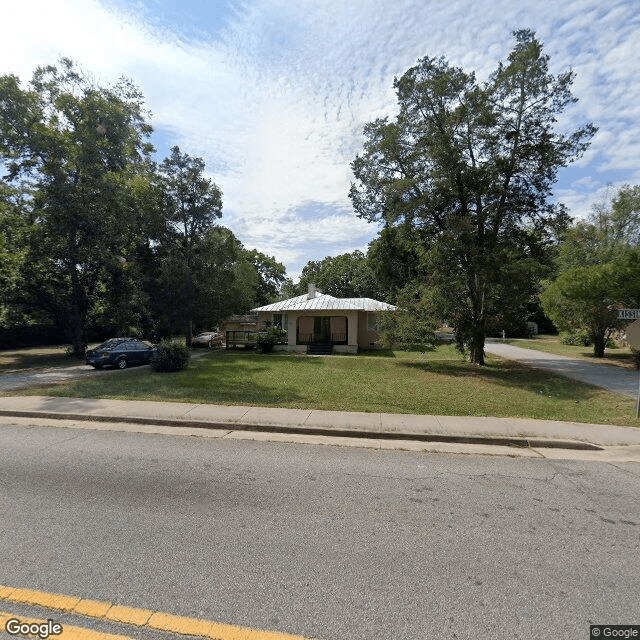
<point x="169" y="357"/>
<point x="606" y="235"/>
<point x="265" y="341"/>
<point x="412" y="327"/>
<point x="598" y="271"/>
<point x="576" y="339"/>
<point x="466" y="172"/>
<point x="92" y="233"/>
<point x="81" y="148"/>
<point x="192" y="204"/>
<point x="271" y="274"/>
<point x="395" y="259"/>
<point x="348" y="275"/>
<point x="586" y="299"/>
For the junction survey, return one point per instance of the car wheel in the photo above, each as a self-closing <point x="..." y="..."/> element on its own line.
<point x="121" y="363"/>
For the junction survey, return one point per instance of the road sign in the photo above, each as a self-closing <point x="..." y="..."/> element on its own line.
<point x="628" y="314"/>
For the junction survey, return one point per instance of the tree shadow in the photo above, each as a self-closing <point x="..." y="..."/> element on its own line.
<point x="511" y="375"/>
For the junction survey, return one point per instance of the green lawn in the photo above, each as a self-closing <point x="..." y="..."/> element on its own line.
<point x="551" y="344"/>
<point x="438" y="383"/>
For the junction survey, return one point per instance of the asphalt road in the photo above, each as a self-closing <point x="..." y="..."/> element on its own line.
<point x="329" y="543"/>
<point x="610" y="377"/>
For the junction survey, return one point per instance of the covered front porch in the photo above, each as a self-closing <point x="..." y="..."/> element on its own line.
<point x="322" y="329"/>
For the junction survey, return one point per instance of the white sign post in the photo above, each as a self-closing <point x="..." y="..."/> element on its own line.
<point x="633" y="338"/>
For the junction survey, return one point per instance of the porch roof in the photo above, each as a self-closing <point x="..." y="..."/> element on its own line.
<point x="325" y="302"/>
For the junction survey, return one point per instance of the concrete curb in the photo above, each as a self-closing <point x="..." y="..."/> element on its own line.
<point x="509" y="441"/>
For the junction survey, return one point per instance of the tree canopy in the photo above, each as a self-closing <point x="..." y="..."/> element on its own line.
<point x="94" y="233"/>
<point x="77" y="149"/>
<point x="466" y="171"/>
<point x="598" y="270"/>
<point x="348" y="275"/>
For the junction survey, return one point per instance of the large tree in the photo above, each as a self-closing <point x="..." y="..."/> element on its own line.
<point x="588" y="298"/>
<point x="272" y="275"/>
<point x="469" y="169"/>
<point x="79" y="147"/>
<point x="192" y="203"/>
<point x="598" y="270"/>
<point x="348" y="275"/>
<point x="612" y="228"/>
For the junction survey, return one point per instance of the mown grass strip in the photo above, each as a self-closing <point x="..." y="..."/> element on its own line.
<point x="437" y="383"/>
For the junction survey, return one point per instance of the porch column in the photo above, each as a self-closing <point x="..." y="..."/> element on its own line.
<point x="291" y="328"/>
<point x="352" y="328"/>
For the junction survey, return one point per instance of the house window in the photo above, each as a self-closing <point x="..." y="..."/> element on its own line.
<point x="372" y="323"/>
<point x="277" y="320"/>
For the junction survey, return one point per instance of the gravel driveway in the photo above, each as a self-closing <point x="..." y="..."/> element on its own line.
<point x="50" y="375"/>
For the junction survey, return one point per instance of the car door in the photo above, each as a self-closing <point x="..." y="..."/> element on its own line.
<point x="137" y="352"/>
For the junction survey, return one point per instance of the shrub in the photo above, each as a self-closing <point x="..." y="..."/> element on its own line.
<point x="266" y="341"/>
<point x="170" y="356"/>
<point x="576" y="339"/>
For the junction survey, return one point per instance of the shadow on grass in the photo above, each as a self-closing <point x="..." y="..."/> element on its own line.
<point x="510" y="374"/>
<point x="218" y="379"/>
<point x="376" y="353"/>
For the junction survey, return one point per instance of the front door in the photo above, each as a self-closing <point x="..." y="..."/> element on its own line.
<point x="321" y="329"/>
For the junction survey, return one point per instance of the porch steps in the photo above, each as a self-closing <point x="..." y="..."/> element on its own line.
<point x="320" y="348"/>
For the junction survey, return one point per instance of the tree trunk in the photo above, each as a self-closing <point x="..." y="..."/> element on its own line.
<point x="476" y="346"/>
<point x="78" y="334"/>
<point x="478" y="321"/>
<point x="599" y="342"/>
<point x="78" y="321"/>
<point x="188" y="334"/>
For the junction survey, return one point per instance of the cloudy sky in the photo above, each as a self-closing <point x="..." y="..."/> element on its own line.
<point x="273" y="94"/>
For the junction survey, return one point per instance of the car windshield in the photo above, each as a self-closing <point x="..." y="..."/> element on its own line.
<point x="109" y="344"/>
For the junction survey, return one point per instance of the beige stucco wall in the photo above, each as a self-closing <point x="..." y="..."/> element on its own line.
<point x="366" y="338"/>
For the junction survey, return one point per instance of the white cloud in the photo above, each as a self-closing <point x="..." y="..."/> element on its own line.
<point x="275" y="103"/>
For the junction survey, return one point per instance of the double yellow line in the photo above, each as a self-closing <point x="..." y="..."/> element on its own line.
<point x="144" y="618"/>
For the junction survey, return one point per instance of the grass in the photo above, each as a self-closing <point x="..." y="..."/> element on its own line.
<point x="438" y="383"/>
<point x="620" y="357"/>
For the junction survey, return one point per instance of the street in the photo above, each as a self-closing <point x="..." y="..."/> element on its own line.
<point x="326" y="542"/>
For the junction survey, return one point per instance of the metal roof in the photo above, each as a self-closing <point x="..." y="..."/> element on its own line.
<point x="324" y="302"/>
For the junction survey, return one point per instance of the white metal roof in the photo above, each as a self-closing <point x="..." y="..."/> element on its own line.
<point x="324" y="302"/>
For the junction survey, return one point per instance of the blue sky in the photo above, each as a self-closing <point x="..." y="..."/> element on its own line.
<point x="273" y="94"/>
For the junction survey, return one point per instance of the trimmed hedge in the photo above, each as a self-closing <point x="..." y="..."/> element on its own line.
<point x="170" y="356"/>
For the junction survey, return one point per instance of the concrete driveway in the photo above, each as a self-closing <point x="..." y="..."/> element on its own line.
<point x="607" y="376"/>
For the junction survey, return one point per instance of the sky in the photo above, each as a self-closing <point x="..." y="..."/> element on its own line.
<point x="274" y="94"/>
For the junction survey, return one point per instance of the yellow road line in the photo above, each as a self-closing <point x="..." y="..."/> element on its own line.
<point x="138" y="617"/>
<point x="68" y="632"/>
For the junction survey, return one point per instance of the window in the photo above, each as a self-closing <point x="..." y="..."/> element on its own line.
<point x="372" y="322"/>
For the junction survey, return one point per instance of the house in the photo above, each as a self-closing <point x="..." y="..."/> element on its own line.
<point x="343" y="325"/>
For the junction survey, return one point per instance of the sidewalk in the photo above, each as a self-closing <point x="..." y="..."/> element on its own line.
<point x="388" y="427"/>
